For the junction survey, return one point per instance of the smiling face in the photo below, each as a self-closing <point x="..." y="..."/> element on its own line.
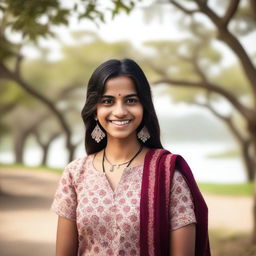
<point x="119" y="111"/>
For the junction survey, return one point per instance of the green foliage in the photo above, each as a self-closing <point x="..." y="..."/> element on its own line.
<point x="26" y="16"/>
<point x="245" y="19"/>
<point x="7" y="49"/>
<point x="4" y="129"/>
<point x="233" y="79"/>
<point x="179" y="94"/>
<point x="120" y="5"/>
<point x="210" y="54"/>
<point x="36" y="19"/>
<point x="10" y="93"/>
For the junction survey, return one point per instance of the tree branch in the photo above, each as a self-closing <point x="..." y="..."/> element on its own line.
<point x="203" y="8"/>
<point x="51" y="138"/>
<point x="7" y="108"/>
<point x="199" y="71"/>
<point x="69" y="88"/>
<point x="197" y="68"/>
<point x="30" y="90"/>
<point x="227" y="37"/>
<point x="227" y="119"/>
<point x="18" y="64"/>
<point x="37" y="123"/>
<point x="4" y="72"/>
<point x="253" y="7"/>
<point x="246" y="112"/>
<point x="182" y="8"/>
<point x="230" y="12"/>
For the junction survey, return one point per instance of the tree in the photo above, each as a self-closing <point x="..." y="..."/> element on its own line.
<point x="226" y="23"/>
<point x="29" y="118"/>
<point x="32" y="20"/>
<point x="184" y="66"/>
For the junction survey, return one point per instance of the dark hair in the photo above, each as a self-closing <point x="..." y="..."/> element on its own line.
<point x="109" y="69"/>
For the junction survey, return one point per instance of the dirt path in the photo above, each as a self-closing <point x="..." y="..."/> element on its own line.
<point x="28" y="226"/>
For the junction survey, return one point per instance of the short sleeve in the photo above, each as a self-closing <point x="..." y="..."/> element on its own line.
<point x="181" y="204"/>
<point x="65" y="199"/>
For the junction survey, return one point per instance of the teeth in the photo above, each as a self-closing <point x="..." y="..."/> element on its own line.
<point x="120" y="122"/>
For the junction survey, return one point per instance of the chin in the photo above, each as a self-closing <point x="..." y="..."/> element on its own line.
<point x="123" y="136"/>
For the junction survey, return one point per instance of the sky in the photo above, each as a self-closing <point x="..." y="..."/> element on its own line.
<point x="132" y="27"/>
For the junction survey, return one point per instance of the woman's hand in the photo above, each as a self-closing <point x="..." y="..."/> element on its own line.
<point x="67" y="238"/>
<point x="183" y="241"/>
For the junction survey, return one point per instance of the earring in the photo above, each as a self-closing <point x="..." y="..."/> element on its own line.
<point x="143" y="134"/>
<point x="97" y="134"/>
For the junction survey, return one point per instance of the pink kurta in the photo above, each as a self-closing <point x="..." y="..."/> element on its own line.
<point x="108" y="221"/>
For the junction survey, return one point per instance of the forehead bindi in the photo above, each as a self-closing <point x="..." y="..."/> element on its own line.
<point x="120" y="86"/>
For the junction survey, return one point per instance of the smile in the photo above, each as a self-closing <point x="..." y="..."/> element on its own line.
<point x="120" y="123"/>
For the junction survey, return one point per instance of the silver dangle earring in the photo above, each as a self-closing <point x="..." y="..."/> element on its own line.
<point x="97" y="134"/>
<point x="143" y="134"/>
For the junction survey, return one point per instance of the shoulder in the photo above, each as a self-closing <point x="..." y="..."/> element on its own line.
<point x="78" y="165"/>
<point x="166" y="158"/>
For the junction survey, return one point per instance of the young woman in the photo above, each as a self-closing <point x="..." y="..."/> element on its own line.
<point x="129" y="196"/>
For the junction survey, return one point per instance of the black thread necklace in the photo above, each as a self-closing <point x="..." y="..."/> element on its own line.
<point x="118" y="165"/>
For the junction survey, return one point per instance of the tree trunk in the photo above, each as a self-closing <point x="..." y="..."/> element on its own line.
<point x="19" y="146"/>
<point x="45" y="145"/>
<point x="254" y="211"/>
<point x="254" y="214"/>
<point x="254" y="193"/>
<point x="71" y="152"/>
<point x="45" y="149"/>
<point x="248" y="161"/>
<point x="14" y="76"/>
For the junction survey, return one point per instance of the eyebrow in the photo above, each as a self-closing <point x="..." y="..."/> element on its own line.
<point x="127" y="96"/>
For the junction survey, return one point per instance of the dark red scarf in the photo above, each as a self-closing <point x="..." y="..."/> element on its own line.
<point x="159" y="166"/>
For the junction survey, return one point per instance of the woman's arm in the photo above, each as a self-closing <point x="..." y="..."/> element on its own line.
<point x="67" y="239"/>
<point x="183" y="241"/>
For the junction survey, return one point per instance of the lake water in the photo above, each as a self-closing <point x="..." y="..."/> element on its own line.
<point x="205" y="169"/>
<point x="217" y="170"/>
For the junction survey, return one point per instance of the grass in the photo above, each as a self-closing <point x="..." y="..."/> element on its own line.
<point x="226" y="154"/>
<point x="241" y="189"/>
<point x="35" y="168"/>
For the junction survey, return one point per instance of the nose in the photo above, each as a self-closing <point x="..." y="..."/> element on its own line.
<point x="119" y="110"/>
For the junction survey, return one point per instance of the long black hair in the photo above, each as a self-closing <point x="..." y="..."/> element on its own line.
<point x="96" y="85"/>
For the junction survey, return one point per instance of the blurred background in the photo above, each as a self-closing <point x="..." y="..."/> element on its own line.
<point x="199" y="57"/>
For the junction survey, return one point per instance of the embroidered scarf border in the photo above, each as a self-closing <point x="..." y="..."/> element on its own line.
<point x="158" y="171"/>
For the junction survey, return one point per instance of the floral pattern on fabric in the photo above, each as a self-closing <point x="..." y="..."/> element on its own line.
<point x="108" y="221"/>
<point x="182" y="207"/>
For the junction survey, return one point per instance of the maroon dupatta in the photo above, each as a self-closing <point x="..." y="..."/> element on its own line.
<point x="159" y="166"/>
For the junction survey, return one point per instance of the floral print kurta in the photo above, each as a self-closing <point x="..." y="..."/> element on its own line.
<point x="108" y="221"/>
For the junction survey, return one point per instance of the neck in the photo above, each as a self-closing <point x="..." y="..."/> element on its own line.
<point x="120" y="151"/>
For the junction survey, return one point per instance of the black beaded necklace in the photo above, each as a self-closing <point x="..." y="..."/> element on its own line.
<point x="118" y="165"/>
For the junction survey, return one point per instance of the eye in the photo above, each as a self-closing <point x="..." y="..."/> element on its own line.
<point x="107" y="101"/>
<point x="132" y="100"/>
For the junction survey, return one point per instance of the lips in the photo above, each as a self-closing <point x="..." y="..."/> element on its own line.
<point x="120" y="123"/>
